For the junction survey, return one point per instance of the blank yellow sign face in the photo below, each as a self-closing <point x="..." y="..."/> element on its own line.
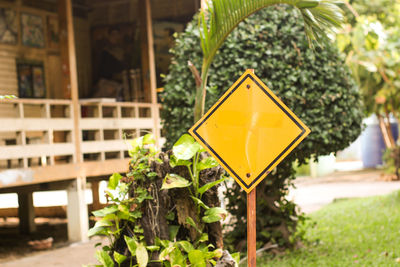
<point x="249" y="131"/>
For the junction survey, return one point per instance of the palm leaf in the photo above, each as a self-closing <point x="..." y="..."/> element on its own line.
<point x="222" y="16"/>
<point x="320" y="16"/>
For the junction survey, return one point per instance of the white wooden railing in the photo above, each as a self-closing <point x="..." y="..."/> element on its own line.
<point x="39" y="132"/>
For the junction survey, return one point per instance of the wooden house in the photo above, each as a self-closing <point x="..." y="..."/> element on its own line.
<point x="85" y="73"/>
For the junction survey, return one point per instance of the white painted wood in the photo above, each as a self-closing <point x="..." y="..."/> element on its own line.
<point x="77" y="211"/>
<point x="36" y="150"/>
<point x="36" y="175"/>
<point x="113" y="123"/>
<point x="39" y="124"/>
<point x="107" y="146"/>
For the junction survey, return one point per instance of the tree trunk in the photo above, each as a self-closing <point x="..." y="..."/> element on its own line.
<point x="154" y="220"/>
<point x="386" y="132"/>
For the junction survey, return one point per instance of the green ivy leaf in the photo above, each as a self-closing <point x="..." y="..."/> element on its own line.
<point x="196" y="258"/>
<point x="174" y="181"/>
<point x="136" y="144"/>
<point x="102" y="223"/>
<point x="185" y="148"/>
<point x="199" y="202"/>
<point x="214" y="215"/>
<point x="163" y="243"/>
<point x="173" y="162"/>
<point x="186" y="246"/>
<point x="236" y="257"/>
<point x="105" y="259"/>
<point x="119" y="258"/>
<point x="217" y="253"/>
<point x="142" y="195"/>
<point x="170" y="216"/>
<point x="142" y="256"/>
<point x="148" y="139"/>
<point x="173" y="231"/>
<point x="203" y="238"/>
<point x="131" y="244"/>
<point x="136" y="214"/>
<point x="191" y="222"/>
<point x="105" y="211"/>
<point x="206" y="187"/>
<point x="176" y="258"/>
<point x="113" y="181"/>
<point x="207" y="163"/>
<point x="166" y="252"/>
<point x="152" y="248"/>
<point x="97" y="231"/>
<point x="109" y="194"/>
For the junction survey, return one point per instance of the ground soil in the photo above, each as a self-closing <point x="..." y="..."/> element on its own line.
<point x="310" y="194"/>
<point x="14" y="245"/>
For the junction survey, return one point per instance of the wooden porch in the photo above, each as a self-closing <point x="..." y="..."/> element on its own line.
<point x="72" y="136"/>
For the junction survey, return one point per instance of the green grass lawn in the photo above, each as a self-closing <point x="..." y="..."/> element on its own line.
<point x="354" y="232"/>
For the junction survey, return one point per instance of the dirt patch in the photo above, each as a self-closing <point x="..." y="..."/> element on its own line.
<point x="14" y="245"/>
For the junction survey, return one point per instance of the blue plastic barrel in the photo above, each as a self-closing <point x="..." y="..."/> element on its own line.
<point x="373" y="145"/>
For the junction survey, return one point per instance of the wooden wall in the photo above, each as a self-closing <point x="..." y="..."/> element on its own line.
<point x="48" y="55"/>
<point x="99" y="13"/>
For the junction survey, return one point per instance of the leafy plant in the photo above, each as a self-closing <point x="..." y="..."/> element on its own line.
<point x="187" y="153"/>
<point x="122" y="220"/>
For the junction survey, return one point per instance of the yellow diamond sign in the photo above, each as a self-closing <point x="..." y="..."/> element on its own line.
<point x="249" y="131"/>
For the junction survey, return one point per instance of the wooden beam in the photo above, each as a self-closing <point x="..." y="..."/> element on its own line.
<point x="48" y="212"/>
<point x="145" y="94"/>
<point x="95" y="195"/>
<point x="47" y="174"/>
<point x="57" y="185"/>
<point x="65" y="91"/>
<point x="26" y="213"/>
<point x="73" y="80"/>
<point x="37" y="150"/>
<point x="35" y="124"/>
<point x="152" y="70"/>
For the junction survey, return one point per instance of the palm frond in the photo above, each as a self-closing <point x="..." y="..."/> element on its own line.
<point x="320" y="17"/>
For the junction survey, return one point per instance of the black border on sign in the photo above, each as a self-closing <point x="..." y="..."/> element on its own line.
<point x="277" y="157"/>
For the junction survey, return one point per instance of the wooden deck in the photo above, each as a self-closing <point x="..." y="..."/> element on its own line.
<point x="38" y="150"/>
<point x="38" y="146"/>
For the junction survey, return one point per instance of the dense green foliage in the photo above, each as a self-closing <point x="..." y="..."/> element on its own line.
<point x="138" y="198"/>
<point x="314" y="84"/>
<point x="355" y="232"/>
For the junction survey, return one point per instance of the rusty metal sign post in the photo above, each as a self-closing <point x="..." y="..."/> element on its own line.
<point x="249" y="131"/>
